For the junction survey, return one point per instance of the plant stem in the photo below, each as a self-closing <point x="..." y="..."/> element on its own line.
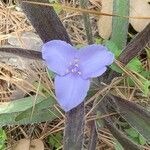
<point x="74" y="128"/>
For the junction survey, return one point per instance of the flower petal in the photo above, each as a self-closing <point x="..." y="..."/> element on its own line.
<point x="70" y="90"/>
<point x="58" y="54"/>
<point x="98" y="72"/>
<point x="93" y="60"/>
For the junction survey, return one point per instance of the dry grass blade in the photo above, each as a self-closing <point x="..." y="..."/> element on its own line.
<point x="17" y="83"/>
<point x="12" y="22"/>
<point x="134" y="75"/>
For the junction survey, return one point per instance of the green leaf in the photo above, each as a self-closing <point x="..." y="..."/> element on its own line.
<point x="19" y="105"/>
<point x="132" y="132"/>
<point x="55" y="140"/>
<point x="9" y="119"/>
<point x="146" y="86"/>
<point x="120" y="24"/>
<point x="116" y="51"/>
<point x="78" y="46"/>
<point x="148" y="52"/>
<point x="136" y="140"/>
<point x="98" y="40"/>
<point x="142" y="140"/>
<point x="2" y="134"/>
<point x="57" y="7"/>
<point x="135" y="136"/>
<point x="3" y="138"/>
<point x="118" y="146"/>
<point x="38" y="107"/>
<point x="145" y="74"/>
<point x="116" y="68"/>
<point x="112" y="47"/>
<point x="99" y="122"/>
<point x="51" y="1"/>
<point x="135" y="65"/>
<point x="43" y="111"/>
<point x="130" y="81"/>
<point x="51" y="74"/>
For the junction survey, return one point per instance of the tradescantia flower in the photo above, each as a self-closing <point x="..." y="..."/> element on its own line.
<point x="74" y="69"/>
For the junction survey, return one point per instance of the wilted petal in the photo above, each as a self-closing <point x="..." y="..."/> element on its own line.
<point x="70" y="90"/>
<point x="93" y="60"/>
<point x="58" y="54"/>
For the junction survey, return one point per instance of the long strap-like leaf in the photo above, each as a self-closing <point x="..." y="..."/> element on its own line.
<point x="49" y="27"/>
<point x="135" y="46"/>
<point x="132" y="49"/>
<point x="74" y="128"/>
<point x="137" y="116"/>
<point x="30" y="54"/>
<point x="45" y="21"/>
<point x="120" y="25"/>
<point x="105" y="108"/>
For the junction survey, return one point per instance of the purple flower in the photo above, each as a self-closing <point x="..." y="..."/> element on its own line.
<point x="74" y="69"/>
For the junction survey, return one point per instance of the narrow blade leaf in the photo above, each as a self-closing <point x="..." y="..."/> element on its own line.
<point x="19" y="112"/>
<point x="105" y="109"/>
<point x="134" y="114"/>
<point x="31" y="54"/>
<point x="45" y="21"/>
<point x="120" y="24"/>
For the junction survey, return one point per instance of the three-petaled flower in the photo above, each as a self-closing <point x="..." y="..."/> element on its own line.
<point x="74" y="69"/>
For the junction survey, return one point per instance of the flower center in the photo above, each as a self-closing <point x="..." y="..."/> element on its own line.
<point x="74" y="67"/>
